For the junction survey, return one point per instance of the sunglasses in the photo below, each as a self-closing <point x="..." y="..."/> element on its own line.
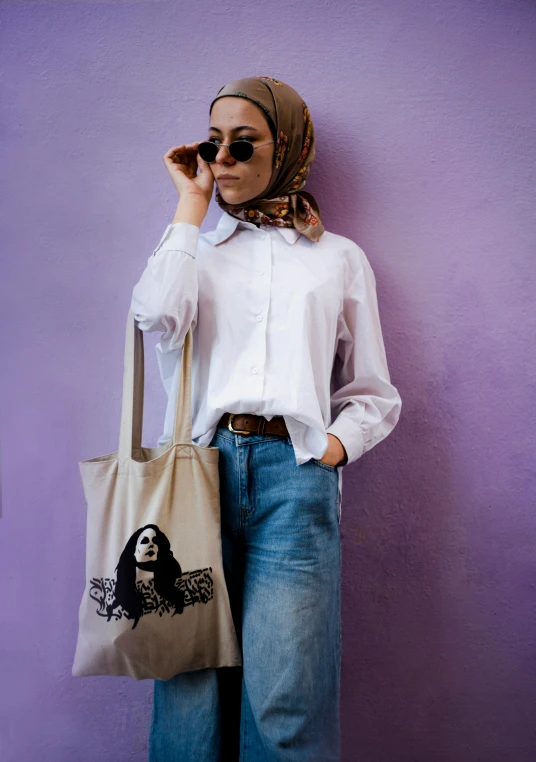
<point x="241" y="150"/>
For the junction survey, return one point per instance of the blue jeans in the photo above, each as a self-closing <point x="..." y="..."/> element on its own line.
<point x="282" y="564"/>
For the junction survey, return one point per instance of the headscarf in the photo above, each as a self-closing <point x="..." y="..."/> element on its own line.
<point x="283" y="202"/>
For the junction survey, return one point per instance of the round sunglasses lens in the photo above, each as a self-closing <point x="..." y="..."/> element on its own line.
<point x="208" y="151"/>
<point x="241" y="150"/>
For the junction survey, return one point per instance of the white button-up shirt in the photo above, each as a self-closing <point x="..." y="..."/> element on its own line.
<point x="283" y="326"/>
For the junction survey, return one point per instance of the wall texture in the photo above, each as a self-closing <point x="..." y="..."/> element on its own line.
<point x="424" y="112"/>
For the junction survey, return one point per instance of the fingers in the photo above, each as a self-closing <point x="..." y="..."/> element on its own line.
<point x="184" y="159"/>
<point x="202" y="164"/>
<point x="182" y="154"/>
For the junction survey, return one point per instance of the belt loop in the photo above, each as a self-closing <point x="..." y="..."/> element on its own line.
<point x="262" y="425"/>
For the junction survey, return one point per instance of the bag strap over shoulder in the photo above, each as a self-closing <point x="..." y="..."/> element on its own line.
<point x="130" y="435"/>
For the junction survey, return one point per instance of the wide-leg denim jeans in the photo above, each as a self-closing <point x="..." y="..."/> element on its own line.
<point x="282" y="564"/>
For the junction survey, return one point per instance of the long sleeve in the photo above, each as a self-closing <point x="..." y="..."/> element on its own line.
<point x="366" y="406"/>
<point x="166" y="296"/>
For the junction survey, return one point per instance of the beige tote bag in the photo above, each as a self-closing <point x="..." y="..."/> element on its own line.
<point x="155" y="601"/>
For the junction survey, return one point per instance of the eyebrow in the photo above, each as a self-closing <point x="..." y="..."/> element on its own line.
<point x="236" y="129"/>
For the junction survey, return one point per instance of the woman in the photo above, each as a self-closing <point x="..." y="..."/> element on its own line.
<point x="148" y="549"/>
<point x="282" y="310"/>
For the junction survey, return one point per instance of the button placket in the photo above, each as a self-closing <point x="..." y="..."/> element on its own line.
<point x="261" y="294"/>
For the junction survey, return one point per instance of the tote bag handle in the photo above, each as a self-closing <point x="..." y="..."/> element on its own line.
<point x="130" y="434"/>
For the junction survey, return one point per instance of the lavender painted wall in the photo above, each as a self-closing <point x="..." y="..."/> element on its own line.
<point x="424" y="112"/>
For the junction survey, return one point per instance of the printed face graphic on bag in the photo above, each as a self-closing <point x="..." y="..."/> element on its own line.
<point x="169" y="591"/>
<point x="146" y="547"/>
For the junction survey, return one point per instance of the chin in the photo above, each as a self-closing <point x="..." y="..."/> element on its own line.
<point x="229" y="198"/>
<point x="233" y="198"/>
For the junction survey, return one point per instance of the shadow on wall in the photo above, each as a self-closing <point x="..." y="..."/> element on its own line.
<point x="405" y="635"/>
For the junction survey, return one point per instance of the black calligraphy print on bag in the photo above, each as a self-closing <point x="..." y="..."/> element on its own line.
<point x="197" y="587"/>
<point x="169" y="591"/>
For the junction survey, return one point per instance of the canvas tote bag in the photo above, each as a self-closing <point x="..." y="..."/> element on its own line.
<point x="155" y="601"/>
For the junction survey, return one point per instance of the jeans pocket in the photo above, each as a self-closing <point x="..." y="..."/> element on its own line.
<point x="324" y="465"/>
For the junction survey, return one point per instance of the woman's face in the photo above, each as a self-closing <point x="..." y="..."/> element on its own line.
<point x="146" y="547"/>
<point x="235" y="118"/>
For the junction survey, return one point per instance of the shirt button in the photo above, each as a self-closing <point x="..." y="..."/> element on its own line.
<point x="254" y="370"/>
<point x="259" y="317"/>
<point x="261" y="272"/>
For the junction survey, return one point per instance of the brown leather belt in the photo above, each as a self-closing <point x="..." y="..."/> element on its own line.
<point x="249" y="423"/>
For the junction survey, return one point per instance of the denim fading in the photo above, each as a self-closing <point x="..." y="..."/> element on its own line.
<point x="282" y="564"/>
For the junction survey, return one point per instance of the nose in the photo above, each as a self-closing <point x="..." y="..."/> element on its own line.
<point x="225" y="157"/>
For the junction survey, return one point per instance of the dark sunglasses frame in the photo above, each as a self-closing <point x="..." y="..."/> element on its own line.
<point x="241" y="150"/>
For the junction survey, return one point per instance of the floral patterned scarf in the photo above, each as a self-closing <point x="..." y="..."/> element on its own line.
<point x="283" y="204"/>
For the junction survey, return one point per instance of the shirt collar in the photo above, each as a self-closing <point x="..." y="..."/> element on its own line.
<point x="228" y="223"/>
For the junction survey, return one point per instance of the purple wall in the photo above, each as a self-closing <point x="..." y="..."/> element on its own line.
<point x="425" y="120"/>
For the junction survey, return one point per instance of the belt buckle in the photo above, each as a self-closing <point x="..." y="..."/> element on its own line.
<point x="230" y="425"/>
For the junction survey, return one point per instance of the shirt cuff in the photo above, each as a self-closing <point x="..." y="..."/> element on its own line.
<point x="350" y="435"/>
<point x="179" y="236"/>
